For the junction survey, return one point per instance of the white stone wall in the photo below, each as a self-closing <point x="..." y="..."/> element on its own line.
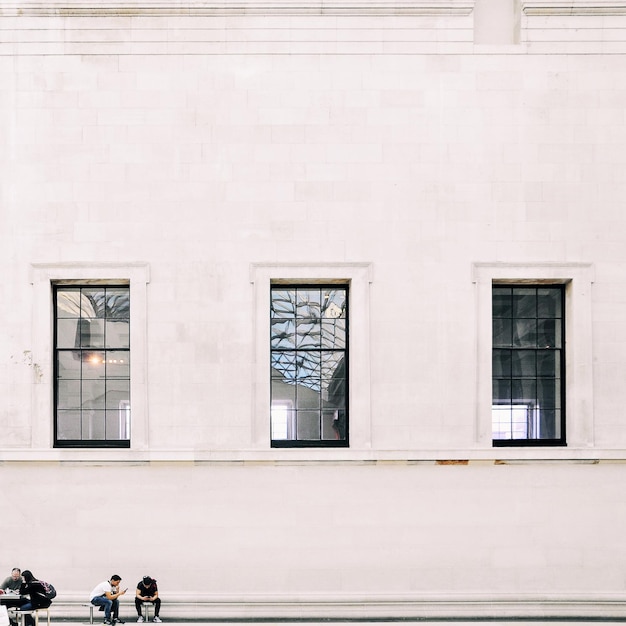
<point x="328" y="540"/>
<point x="419" y="150"/>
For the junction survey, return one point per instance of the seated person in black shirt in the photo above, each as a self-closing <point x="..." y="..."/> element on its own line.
<point x="36" y="593"/>
<point x="147" y="591"/>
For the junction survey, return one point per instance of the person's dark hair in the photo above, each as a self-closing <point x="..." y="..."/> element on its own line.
<point x="27" y="575"/>
<point x="17" y="569"/>
<point x="116" y="577"/>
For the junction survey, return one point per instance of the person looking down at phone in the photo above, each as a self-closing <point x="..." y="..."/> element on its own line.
<point x="147" y="591"/>
<point x="106" y="596"/>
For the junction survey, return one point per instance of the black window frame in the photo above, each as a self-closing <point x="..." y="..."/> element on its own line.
<point x="345" y="425"/>
<point x="84" y="443"/>
<point x="561" y="348"/>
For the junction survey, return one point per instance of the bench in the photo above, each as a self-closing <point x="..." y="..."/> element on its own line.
<point x="92" y="607"/>
<point x="19" y="615"/>
<point x="145" y="610"/>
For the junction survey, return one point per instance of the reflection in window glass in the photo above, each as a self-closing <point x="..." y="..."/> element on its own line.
<point x="308" y="354"/>
<point x="528" y="365"/>
<point x="92" y="366"/>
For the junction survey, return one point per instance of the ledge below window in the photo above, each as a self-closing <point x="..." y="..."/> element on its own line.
<point x="312" y="456"/>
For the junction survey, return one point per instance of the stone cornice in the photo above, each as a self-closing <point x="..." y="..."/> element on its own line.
<point x="574" y="7"/>
<point x="107" y="8"/>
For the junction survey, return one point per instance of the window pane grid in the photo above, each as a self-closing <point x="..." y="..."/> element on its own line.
<point x="92" y="366"/>
<point x="308" y="354"/>
<point x="527" y="365"/>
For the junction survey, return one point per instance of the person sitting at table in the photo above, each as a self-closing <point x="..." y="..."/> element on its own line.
<point x="37" y="598"/>
<point x="10" y="590"/>
<point x="12" y="583"/>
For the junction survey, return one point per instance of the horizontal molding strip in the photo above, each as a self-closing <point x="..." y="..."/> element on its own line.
<point x="104" y="8"/>
<point x="313" y="457"/>
<point x="376" y="606"/>
<point x="573" y="7"/>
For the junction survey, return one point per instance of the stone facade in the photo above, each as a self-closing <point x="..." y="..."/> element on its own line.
<point x="199" y="151"/>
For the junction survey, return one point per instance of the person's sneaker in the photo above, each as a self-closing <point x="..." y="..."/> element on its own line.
<point x="157" y="619"/>
<point x="107" y="621"/>
<point x="119" y="620"/>
<point x="140" y="619"/>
